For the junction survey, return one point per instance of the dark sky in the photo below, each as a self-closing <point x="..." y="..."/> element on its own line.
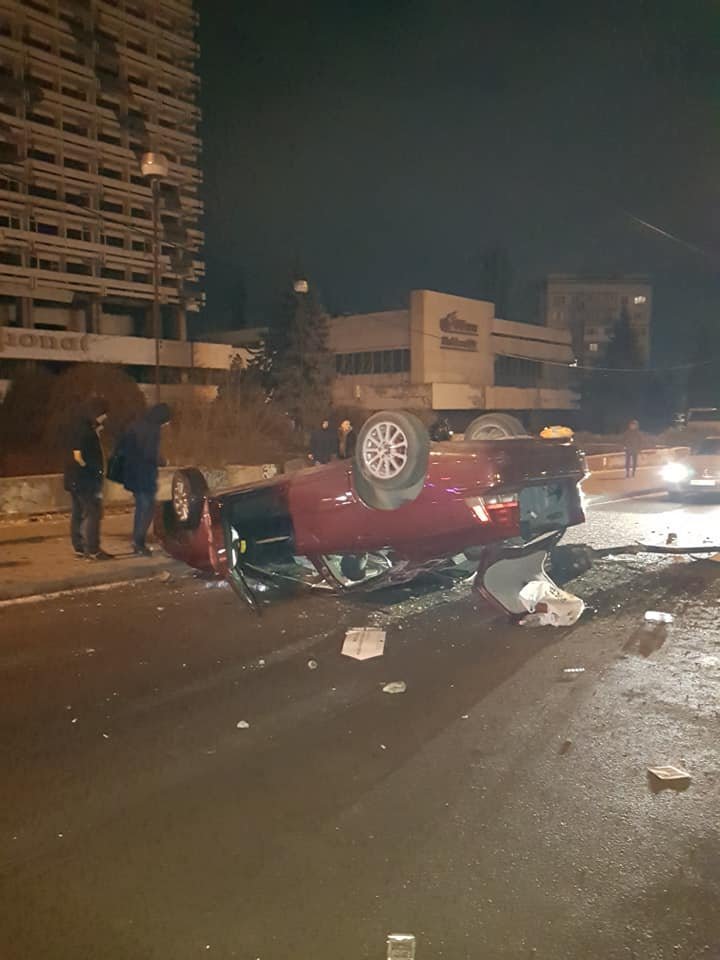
<point x="389" y="145"/>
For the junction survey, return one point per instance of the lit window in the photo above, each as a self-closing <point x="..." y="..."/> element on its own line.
<point x="639" y="299"/>
<point x="593" y="347"/>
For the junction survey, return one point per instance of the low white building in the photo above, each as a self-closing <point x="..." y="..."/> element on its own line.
<point x="449" y="353"/>
<point x="183" y="363"/>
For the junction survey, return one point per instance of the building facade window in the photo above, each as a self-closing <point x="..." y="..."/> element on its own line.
<point x="372" y="362"/>
<point x="515" y="372"/>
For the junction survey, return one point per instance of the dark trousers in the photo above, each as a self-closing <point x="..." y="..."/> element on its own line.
<point x="144" y="509"/>
<point x="85" y="522"/>
<point x="631" y="459"/>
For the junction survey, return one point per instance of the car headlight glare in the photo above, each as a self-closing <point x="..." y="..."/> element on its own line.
<point x="675" y="472"/>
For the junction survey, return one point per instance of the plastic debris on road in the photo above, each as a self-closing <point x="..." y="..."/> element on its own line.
<point x="401" y="946"/>
<point x="242" y="725"/>
<point x="397" y="686"/>
<point x="165" y="576"/>
<point x="564" y="747"/>
<point x="657" y="616"/>
<point x="670" y="776"/>
<point x="312" y="664"/>
<point x="548" y="605"/>
<point x="363" y="643"/>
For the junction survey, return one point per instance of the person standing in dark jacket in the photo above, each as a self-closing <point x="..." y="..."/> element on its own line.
<point x="139" y="449"/>
<point x="633" y="444"/>
<point x="84" y="472"/>
<point x="322" y="444"/>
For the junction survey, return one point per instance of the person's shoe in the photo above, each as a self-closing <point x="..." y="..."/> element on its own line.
<point x="100" y="555"/>
<point x="142" y="551"/>
<point x="79" y="554"/>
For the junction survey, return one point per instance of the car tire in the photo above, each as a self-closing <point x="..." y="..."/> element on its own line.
<point x="495" y="426"/>
<point x="391" y="459"/>
<point x="187" y="495"/>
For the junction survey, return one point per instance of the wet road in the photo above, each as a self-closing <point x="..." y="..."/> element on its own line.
<point x="495" y="809"/>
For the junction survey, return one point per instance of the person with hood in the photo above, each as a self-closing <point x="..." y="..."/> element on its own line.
<point x="84" y="472"/>
<point x="139" y="453"/>
<point x="322" y="444"/>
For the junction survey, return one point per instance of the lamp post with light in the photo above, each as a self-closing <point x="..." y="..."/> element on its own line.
<point x="154" y="166"/>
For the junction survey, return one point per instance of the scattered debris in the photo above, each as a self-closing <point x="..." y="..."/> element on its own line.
<point x="242" y="725"/>
<point x="216" y="585"/>
<point x="565" y="747"/>
<point x="160" y="609"/>
<point x="312" y="664"/>
<point x="74" y="720"/>
<point x="383" y="747"/>
<point x="465" y="716"/>
<point x="90" y="650"/>
<point x="165" y="576"/>
<point x="261" y="662"/>
<point x="669" y="776"/>
<point x="671" y="540"/>
<point x="548" y="605"/>
<point x="656" y="616"/>
<point x="401" y="946"/>
<point x="364" y="643"/>
<point x="571" y="673"/>
<point x="397" y="686"/>
<point x="106" y="736"/>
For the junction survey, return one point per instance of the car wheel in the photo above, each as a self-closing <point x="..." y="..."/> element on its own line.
<point x="187" y="493"/>
<point x="391" y="459"/>
<point x="495" y="426"/>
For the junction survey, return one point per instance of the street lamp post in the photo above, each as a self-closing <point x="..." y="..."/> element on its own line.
<point x="154" y="166"/>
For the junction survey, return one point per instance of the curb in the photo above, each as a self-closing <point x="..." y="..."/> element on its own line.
<point x="51" y="589"/>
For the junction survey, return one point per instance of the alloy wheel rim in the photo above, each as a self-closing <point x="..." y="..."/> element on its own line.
<point x="385" y="450"/>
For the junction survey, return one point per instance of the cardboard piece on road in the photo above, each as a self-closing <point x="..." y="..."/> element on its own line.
<point x="672" y="776"/>
<point x="364" y="643"/>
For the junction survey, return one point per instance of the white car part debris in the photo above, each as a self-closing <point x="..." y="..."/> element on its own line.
<point x="670" y="776"/>
<point x="572" y="671"/>
<point x="656" y="616"/>
<point x="363" y="643"/>
<point x="548" y="605"/>
<point x="242" y="725"/>
<point x="312" y="664"/>
<point x="401" y="946"/>
<point x="397" y="686"/>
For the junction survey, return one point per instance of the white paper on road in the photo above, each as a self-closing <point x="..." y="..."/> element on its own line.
<point x="548" y="605"/>
<point x="364" y="643"/>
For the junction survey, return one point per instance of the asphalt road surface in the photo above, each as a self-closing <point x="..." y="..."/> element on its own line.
<point x="497" y="809"/>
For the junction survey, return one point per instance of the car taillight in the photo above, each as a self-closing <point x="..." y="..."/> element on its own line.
<point x="493" y="509"/>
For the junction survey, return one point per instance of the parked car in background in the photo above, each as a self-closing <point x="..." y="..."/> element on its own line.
<point x="698" y="472"/>
<point x="705" y="419"/>
<point x="401" y="507"/>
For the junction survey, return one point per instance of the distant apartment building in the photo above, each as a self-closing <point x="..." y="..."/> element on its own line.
<point x="589" y="308"/>
<point x="86" y="88"/>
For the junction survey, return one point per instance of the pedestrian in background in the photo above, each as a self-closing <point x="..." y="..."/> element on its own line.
<point x="322" y="444"/>
<point x="346" y="440"/>
<point x="138" y="454"/>
<point x="633" y="443"/>
<point x="84" y="472"/>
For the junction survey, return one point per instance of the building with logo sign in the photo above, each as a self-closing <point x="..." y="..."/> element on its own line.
<point x="449" y="353"/>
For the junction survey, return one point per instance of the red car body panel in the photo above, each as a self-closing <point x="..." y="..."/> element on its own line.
<point x="326" y="516"/>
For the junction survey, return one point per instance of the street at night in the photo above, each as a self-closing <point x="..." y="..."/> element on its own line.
<point x="498" y="808"/>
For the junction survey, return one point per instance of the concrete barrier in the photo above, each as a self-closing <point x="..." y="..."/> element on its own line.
<point x="657" y="456"/>
<point x="22" y="496"/>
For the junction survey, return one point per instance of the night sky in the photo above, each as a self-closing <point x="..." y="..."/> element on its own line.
<point x="389" y="145"/>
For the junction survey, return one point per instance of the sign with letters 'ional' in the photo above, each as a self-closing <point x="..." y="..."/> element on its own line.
<point x="457" y="334"/>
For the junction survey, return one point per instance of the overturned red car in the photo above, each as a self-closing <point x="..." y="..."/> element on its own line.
<point x="401" y="507"/>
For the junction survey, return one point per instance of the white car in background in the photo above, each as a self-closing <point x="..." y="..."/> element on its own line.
<point x="697" y="472"/>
